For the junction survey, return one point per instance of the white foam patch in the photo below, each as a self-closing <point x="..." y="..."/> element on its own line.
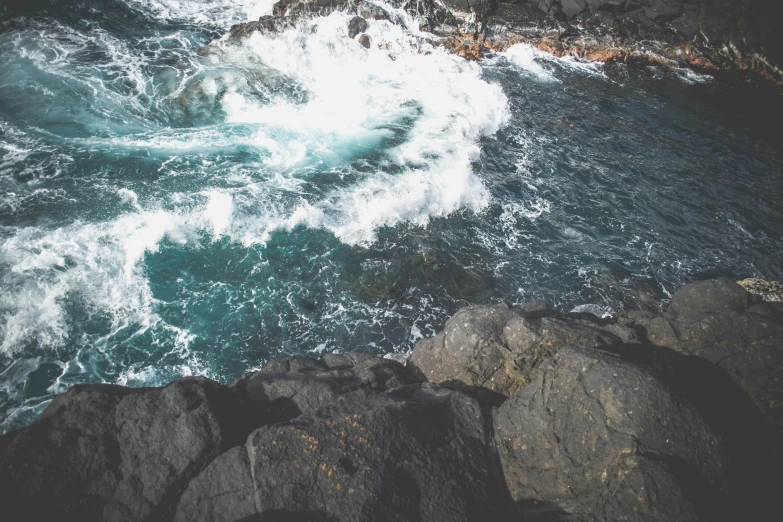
<point x="96" y="264"/>
<point x="582" y="66"/>
<point x="439" y="101"/>
<point x="691" y="77"/>
<point x="215" y="13"/>
<point x="541" y="65"/>
<point x="435" y="106"/>
<point x="218" y="212"/>
<point x="532" y="61"/>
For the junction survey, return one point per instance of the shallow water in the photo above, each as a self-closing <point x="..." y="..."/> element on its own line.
<point x="166" y="212"/>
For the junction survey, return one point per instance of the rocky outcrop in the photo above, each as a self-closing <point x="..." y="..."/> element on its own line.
<point x="498" y="348"/>
<point x="111" y="453"/>
<point x="512" y="412"/>
<point x="707" y="35"/>
<point x="720" y="322"/>
<point x="608" y="440"/>
<point x="768" y="290"/>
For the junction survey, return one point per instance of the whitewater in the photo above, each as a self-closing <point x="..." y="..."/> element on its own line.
<point x="177" y="202"/>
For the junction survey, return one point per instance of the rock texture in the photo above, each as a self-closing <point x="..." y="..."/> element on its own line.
<point x="111" y="453"/>
<point x="739" y="36"/>
<point x="498" y="348"/>
<point x="608" y="440"/>
<point x="511" y="413"/>
<point x="720" y="322"/>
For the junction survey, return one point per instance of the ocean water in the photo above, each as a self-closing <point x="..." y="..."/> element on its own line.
<point x="166" y="211"/>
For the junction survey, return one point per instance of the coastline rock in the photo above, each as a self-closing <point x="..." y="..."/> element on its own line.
<point x="767" y="290"/>
<point x="709" y="296"/>
<point x="720" y="322"/>
<point x="288" y="387"/>
<point x="265" y="24"/>
<point x="111" y="453"/>
<point x="371" y="456"/>
<point x="530" y="413"/>
<point x="736" y="36"/>
<point x="498" y="348"/>
<point x="609" y="441"/>
<point x="356" y="25"/>
<point x="223" y="492"/>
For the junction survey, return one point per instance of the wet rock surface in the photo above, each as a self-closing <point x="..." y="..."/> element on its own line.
<point x="736" y="36"/>
<point x="512" y="412"/>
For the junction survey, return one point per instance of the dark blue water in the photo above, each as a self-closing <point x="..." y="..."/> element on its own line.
<point x="167" y="211"/>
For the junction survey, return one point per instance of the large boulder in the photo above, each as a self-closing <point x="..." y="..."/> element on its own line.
<point x="606" y="440"/>
<point x="498" y="348"/>
<point x="712" y="295"/>
<point x="356" y="25"/>
<point x="112" y="453"/>
<point x="419" y="453"/>
<point x="223" y="492"/>
<point x="720" y="322"/>
<point x="469" y="350"/>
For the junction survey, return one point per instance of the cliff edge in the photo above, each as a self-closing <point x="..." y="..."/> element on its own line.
<point x="511" y="412"/>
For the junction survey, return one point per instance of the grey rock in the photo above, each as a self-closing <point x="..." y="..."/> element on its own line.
<point x="498" y="348"/>
<point x="610" y="6"/>
<point x="298" y="7"/>
<point x="719" y="322"/>
<point x="166" y="437"/>
<point x="709" y="296"/>
<point x="535" y="307"/>
<point x="356" y="25"/>
<point x="265" y="24"/>
<point x="111" y="453"/>
<point x="288" y="387"/>
<point x="373" y="11"/>
<point x="573" y="7"/>
<point x="470" y="349"/>
<point x="223" y="492"/>
<point x="664" y="12"/>
<point x="606" y="440"/>
<point x="374" y="456"/>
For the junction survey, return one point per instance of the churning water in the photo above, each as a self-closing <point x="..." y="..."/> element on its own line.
<point x="166" y="211"/>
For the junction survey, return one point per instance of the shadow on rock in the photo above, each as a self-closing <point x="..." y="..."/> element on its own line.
<point x="752" y="444"/>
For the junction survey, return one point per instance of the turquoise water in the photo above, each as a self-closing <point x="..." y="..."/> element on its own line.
<point x="170" y="212"/>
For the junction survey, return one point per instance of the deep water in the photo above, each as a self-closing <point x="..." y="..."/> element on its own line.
<point x="169" y="212"/>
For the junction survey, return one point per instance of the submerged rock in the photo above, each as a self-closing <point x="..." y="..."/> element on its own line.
<point x="356" y="25"/>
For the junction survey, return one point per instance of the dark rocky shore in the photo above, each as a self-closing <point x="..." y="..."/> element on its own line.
<point x="716" y="36"/>
<point x="511" y="413"/>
